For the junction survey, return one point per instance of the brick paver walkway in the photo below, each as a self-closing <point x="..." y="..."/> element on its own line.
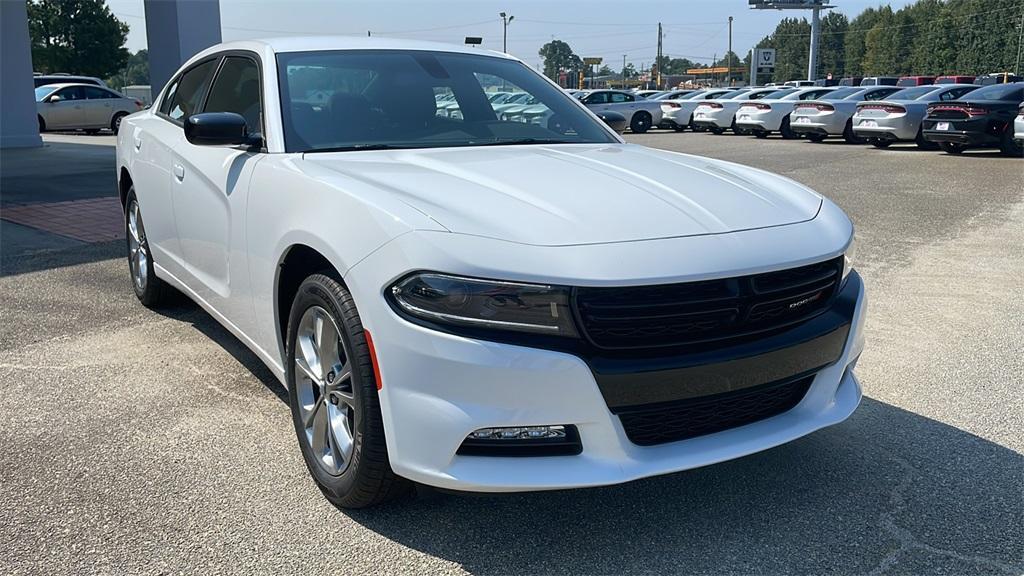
<point x="92" y="220"/>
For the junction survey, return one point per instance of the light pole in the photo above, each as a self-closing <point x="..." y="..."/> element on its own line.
<point x="505" y="21"/>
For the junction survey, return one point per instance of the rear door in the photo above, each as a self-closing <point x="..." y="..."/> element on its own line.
<point x="98" y="106"/>
<point x="210" y="188"/>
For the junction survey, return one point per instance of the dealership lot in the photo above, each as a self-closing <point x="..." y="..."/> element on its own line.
<point x="138" y="442"/>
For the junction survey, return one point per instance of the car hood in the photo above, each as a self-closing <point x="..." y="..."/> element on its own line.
<point x="573" y="194"/>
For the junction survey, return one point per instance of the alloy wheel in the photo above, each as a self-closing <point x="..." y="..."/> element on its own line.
<point x="323" y="384"/>
<point x="138" y="250"/>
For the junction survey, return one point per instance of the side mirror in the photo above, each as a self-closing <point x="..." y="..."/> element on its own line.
<point x="614" y="120"/>
<point x="54" y="99"/>
<point x="219" y="129"/>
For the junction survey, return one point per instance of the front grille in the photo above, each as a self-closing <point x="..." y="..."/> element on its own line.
<point x="721" y="311"/>
<point x="671" y="422"/>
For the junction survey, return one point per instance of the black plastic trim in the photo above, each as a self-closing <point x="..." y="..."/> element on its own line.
<point x="570" y="445"/>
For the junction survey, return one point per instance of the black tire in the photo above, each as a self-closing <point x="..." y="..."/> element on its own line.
<point x="150" y="290"/>
<point x="761" y="134"/>
<point x="115" y="122"/>
<point x="717" y="131"/>
<point x="849" y="136"/>
<point x="1009" y="146"/>
<point x="951" y="148"/>
<point x="879" y="143"/>
<point x="42" y="124"/>
<point x="922" y="143"/>
<point x="679" y="128"/>
<point x="640" y="123"/>
<point x="787" y="131"/>
<point x="816" y="138"/>
<point x="366" y="478"/>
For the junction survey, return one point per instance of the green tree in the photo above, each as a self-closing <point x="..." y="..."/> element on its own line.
<point x="134" y="73"/>
<point x="832" y="45"/>
<point x="558" y="56"/>
<point x="76" y="36"/>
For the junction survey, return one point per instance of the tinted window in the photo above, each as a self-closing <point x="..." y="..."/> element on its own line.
<point x="813" y="94"/>
<point x="999" y="92"/>
<point x="597" y="98"/>
<point x="619" y="97"/>
<point x="955" y="93"/>
<point x="237" y="89"/>
<point x="777" y="94"/>
<point x="912" y="93"/>
<point x="386" y="98"/>
<point x="92" y="93"/>
<point x="185" y="95"/>
<point x="879" y="94"/>
<point x="71" y="93"/>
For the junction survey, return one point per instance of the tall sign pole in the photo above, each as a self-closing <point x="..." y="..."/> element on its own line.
<point x="812" y="60"/>
<point x="815" y="6"/>
<point x="657" y="64"/>
<point x="728" y="76"/>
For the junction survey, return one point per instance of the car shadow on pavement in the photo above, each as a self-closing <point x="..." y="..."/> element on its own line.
<point x="888" y="489"/>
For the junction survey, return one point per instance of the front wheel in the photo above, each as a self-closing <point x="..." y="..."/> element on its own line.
<point x="717" y="131"/>
<point x="816" y="137"/>
<point x="787" y="131"/>
<point x="849" y="136"/>
<point x="640" y="123"/>
<point x="879" y="143"/>
<point x="951" y="148"/>
<point x="333" y="397"/>
<point x="761" y="134"/>
<point x="922" y="143"/>
<point x="1009" y="146"/>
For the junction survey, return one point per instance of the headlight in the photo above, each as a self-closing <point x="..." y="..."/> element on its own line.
<point x="848" y="257"/>
<point x="487" y="304"/>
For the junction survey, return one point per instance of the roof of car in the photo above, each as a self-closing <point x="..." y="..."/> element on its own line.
<point x="66" y="84"/>
<point x="322" y="43"/>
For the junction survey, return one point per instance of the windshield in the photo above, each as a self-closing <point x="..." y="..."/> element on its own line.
<point x="43" y="92"/>
<point x="912" y="93"/>
<point x="842" y="93"/>
<point x="998" y="92"/>
<point x="378" y="99"/>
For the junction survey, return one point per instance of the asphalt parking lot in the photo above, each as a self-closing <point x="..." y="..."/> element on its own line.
<point x="154" y="443"/>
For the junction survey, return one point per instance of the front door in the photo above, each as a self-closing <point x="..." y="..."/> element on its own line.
<point x="64" y="109"/>
<point x="98" y="107"/>
<point x="210" y="188"/>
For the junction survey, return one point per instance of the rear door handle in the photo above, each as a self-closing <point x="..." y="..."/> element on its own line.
<point x="138" y="143"/>
<point x="179" y="172"/>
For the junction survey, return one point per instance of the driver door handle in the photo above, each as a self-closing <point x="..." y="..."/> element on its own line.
<point x="179" y="172"/>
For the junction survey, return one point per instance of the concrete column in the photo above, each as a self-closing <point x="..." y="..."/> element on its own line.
<point x="176" y="30"/>
<point x="18" y="125"/>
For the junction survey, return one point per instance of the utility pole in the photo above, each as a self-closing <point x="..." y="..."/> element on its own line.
<point x="753" y="66"/>
<point x="657" y="64"/>
<point x="505" y="21"/>
<point x="728" y="75"/>
<point x="623" y="71"/>
<point x="812" y="61"/>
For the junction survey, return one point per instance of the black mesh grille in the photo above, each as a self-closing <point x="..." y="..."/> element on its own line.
<point x="708" y="311"/>
<point x="694" y="417"/>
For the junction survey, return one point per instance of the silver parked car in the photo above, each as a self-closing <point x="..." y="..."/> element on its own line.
<point x="641" y="114"/>
<point x="82" y="107"/>
<point x="832" y="115"/>
<point x="898" y="117"/>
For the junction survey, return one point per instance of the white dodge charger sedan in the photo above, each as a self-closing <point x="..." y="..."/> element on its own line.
<point x="478" y="304"/>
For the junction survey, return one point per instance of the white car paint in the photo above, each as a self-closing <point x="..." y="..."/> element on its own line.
<point x="1018" y="126"/>
<point x="680" y="112"/>
<point x="221" y="219"/>
<point x="719" y="113"/>
<point x="766" y="116"/>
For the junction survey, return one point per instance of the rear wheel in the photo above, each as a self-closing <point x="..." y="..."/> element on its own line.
<point x="42" y="124"/>
<point x="849" y="136"/>
<point x="640" y="123"/>
<point x="333" y="397"/>
<point x="951" y="147"/>
<point x="922" y="143"/>
<point x="879" y="143"/>
<point x="115" y="122"/>
<point x="150" y="290"/>
<point x="1009" y="146"/>
<point x="787" y="131"/>
<point x="816" y="137"/>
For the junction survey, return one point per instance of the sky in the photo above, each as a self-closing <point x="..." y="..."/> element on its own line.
<point x="608" y="29"/>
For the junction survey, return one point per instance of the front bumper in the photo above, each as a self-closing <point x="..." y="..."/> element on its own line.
<point x="439" y="387"/>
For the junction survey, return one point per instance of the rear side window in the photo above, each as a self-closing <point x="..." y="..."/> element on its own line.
<point x="237" y="89"/>
<point x="93" y="93"/>
<point x="185" y="95"/>
<point x="879" y="94"/>
<point x="955" y="93"/>
<point x="597" y="98"/>
<point x="619" y="97"/>
<point x="999" y="92"/>
<point x="71" y="93"/>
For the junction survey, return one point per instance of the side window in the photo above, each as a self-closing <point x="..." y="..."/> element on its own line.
<point x="95" y="93"/>
<point x="597" y="98"/>
<point x="237" y="89"/>
<point x="71" y="93"/>
<point x="618" y="98"/>
<point x="184" y="97"/>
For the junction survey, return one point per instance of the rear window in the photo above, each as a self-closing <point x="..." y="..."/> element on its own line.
<point x="999" y="92"/>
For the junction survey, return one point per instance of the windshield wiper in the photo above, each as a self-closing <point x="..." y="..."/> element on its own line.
<point x="521" y="141"/>
<point x="357" y="147"/>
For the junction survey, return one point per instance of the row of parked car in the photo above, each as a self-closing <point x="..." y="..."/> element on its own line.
<point x="952" y="117"/>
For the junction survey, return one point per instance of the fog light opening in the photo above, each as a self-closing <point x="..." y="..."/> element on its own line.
<point x="551" y="440"/>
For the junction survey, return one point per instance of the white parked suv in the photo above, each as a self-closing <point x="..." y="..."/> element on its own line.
<point x="477" y="304"/>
